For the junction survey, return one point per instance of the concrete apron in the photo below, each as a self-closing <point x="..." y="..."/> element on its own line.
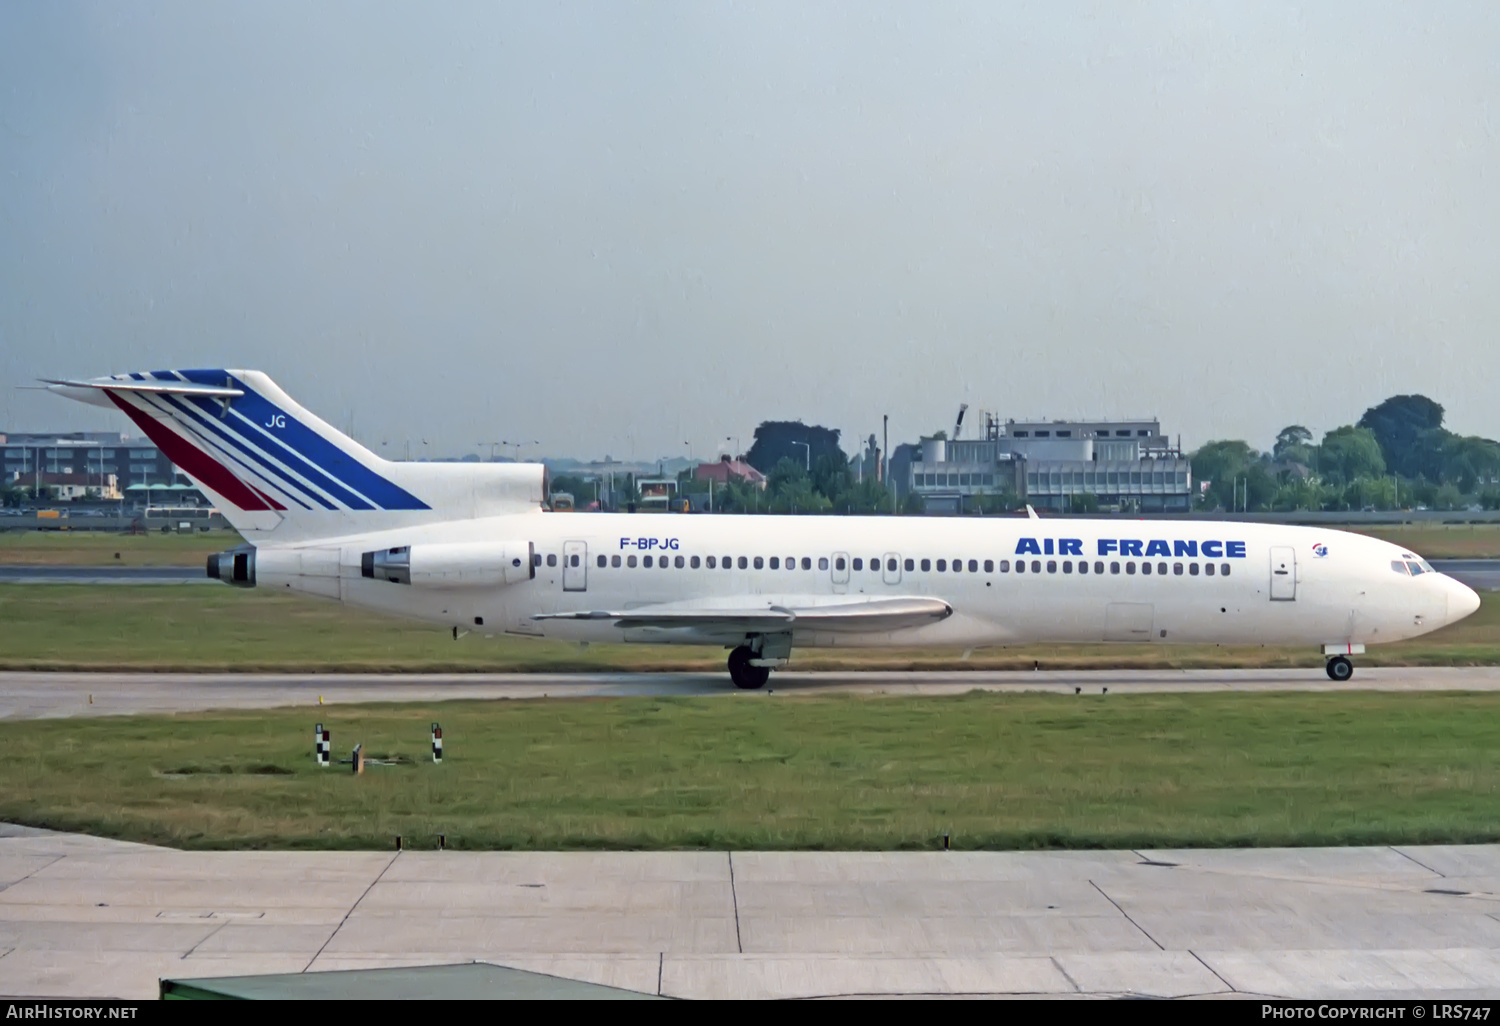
<point x="81" y="916"/>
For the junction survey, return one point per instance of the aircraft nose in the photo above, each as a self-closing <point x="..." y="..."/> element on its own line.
<point x="1462" y="600"/>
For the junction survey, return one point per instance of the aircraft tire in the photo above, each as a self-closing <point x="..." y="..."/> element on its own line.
<point x="745" y="676"/>
<point x="1340" y="669"/>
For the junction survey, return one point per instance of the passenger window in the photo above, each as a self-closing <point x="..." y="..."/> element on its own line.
<point x="908" y="564"/>
<point x="743" y="563"/>
<point x="1161" y="568"/>
<point x="614" y="561"/>
<point x="536" y="559"/>
<point x="807" y="563"/>
<point x="1099" y="567"/>
<point x="727" y="562"/>
<point x="678" y="562"/>
<point x="838" y="564"/>
<point x="775" y="564"/>
<point x="710" y="562"/>
<point x="551" y="559"/>
<point x="760" y="564"/>
<point x="822" y="562"/>
<point x="1005" y="566"/>
<point x="1223" y="569"/>
<point x="693" y="562"/>
<point x="927" y="564"/>
<point x="1114" y="568"/>
<point x="1208" y="568"/>
<point x="1192" y="569"/>
<point x="958" y="566"/>
<point x="1052" y="566"/>
<point x="1177" y="569"/>
<point x="973" y="566"/>
<point x="1083" y="566"/>
<point x="1146" y="568"/>
<point x="890" y="564"/>
<point x="575" y="560"/>
<point x="1068" y="566"/>
<point x="791" y="562"/>
<point x="662" y="562"/>
<point x="989" y="566"/>
<point x="875" y="565"/>
<point x="603" y="562"/>
<point x="1130" y="567"/>
<point x="942" y="564"/>
<point x="859" y="564"/>
<point x="630" y="562"/>
<point x="646" y="562"/>
<point x="1020" y="566"/>
<point x="1036" y="566"/>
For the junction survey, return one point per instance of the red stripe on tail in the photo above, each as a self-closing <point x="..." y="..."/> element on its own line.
<point x="195" y="462"/>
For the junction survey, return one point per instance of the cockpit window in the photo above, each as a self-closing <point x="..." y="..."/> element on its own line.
<point x="1415" y="568"/>
<point x="1426" y="566"/>
<point x="1399" y="567"/>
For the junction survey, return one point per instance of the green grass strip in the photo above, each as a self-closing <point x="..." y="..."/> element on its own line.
<point x="995" y="771"/>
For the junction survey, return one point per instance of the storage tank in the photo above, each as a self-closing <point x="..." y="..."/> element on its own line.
<point x="934" y="450"/>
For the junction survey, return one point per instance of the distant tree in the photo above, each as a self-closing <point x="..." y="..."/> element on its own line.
<point x="1348" y="453"/>
<point x="1084" y="503"/>
<point x="1295" y="436"/>
<point x="1406" y="427"/>
<point x="1221" y="464"/>
<point x="776" y="440"/>
<point x="1470" y="462"/>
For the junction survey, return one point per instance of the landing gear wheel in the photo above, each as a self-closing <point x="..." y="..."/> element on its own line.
<point x="1340" y="669"/>
<point x="744" y="675"/>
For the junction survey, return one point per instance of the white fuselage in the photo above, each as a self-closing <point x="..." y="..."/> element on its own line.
<point x="1268" y="584"/>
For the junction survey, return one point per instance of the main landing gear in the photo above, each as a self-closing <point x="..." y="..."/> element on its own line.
<point x="1340" y="668"/>
<point x="745" y="676"/>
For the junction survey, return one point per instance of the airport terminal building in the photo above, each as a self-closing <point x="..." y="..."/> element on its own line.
<point x="1125" y="465"/>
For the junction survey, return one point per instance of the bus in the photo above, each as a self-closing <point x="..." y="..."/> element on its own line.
<point x="180" y="518"/>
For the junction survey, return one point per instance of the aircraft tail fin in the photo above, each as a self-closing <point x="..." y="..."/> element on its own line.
<point x="278" y="472"/>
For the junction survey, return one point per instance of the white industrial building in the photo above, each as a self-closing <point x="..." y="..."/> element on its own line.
<point x="1125" y="465"/>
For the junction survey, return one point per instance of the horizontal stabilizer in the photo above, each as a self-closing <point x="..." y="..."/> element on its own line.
<point x="851" y="616"/>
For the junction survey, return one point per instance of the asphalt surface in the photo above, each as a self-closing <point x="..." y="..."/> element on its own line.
<point x="26" y="695"/>
<point x="1479" y="574"/>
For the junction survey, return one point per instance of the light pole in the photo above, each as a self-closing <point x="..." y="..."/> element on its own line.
<point x="808" y="454"/>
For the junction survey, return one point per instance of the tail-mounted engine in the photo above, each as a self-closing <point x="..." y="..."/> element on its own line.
<point x="451" y="565"/>
<point x="237" y="566"/>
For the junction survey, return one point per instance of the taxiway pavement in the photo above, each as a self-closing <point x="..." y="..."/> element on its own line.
<point x="28" y="695"/>
<point x="81" y="916"/>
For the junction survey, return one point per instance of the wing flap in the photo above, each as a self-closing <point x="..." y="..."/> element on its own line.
<point x="865" y="615"/>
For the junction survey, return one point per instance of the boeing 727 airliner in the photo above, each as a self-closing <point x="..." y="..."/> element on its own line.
<point x="471" y="548"/>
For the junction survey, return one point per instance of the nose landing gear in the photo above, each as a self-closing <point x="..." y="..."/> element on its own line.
<point x="1340" y="668"/>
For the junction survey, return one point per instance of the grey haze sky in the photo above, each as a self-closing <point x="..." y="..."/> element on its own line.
<point x="615" y="227"/>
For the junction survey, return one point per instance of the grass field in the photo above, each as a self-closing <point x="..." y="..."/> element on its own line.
<point x="101" y="548"/>
<point x="1456" y="541"/>
<point x="209" y="627"/>
<point x="91" y="548"/>
<point x="774" y="772"/>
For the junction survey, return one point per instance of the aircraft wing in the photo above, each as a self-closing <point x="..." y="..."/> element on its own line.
<point x="852" y="616"/>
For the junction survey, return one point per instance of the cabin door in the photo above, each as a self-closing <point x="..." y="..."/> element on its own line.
<point x="840" y="572"/>
<point x="575" y="566"/>
<point x="892" y="568"/>
<point x="1283" y="573"/>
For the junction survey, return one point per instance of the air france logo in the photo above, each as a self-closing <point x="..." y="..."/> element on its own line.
<point x="1320" y="550"/>
<point x="1177" y="547"/>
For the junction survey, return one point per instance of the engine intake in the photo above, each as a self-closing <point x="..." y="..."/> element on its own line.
<point x="236" y="566"/>
<point x="392" y="565"/>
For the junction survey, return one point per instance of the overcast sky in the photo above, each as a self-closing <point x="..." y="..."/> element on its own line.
<point x="617" y="227"/>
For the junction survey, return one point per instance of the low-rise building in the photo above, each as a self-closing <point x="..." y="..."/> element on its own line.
<point x="1121" y="465"/>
